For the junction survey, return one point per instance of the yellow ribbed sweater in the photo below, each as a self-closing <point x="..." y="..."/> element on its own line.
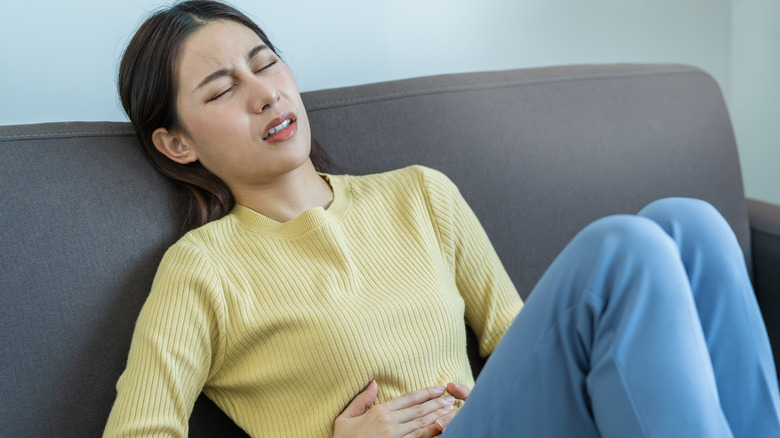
<point x="282" y="324"/>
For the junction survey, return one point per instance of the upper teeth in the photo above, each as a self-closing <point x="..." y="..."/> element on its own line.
<point x="278" y="128"/>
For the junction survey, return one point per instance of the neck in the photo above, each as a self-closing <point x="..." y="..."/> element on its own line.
<point x="286" y="197"/>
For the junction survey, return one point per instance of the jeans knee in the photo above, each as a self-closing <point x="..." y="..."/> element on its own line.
<point x="682" y="212"/>
<point x="631" y="234"/>
<point x="629" y="250"/>
<point x="692" y="223"/>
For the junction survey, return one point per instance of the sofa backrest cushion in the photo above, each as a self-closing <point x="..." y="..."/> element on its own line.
<point x="84" y="221"/>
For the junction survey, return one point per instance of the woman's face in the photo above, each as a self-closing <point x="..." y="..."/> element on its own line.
<point x="239" y="108"/>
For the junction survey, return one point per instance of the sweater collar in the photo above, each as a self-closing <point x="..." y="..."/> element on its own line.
<point x="306" y="221"/>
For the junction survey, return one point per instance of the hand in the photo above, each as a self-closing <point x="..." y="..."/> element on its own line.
<point x="411" y="415"/>
<point x="458" y="391"/>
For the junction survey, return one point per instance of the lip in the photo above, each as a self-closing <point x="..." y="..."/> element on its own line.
<point x="285" y="133"/>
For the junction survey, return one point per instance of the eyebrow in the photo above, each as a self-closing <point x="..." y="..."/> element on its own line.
<point x="227" y="71"/>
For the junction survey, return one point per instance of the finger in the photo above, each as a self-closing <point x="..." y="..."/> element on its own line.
<point x="426" y="426"/>
<point x="362" y="401"/>
<point x="429" y="431"/>
<point x="444" y="421"/>
<point x="424" y="409"/>
<point x="414" y="398"/>
<point x="458" y="391"/>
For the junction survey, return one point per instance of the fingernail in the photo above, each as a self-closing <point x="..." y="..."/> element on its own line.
<point x="449" y="400"/>
<point x="438" y="388"/>
<point x="442" y="423"/>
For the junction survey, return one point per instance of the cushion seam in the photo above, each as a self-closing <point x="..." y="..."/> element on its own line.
<point x="497" y="85"/>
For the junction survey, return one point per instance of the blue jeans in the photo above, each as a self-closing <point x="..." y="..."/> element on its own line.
<point x="644" y="326"/>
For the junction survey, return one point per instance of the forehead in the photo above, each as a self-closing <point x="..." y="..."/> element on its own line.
<point x="217" y="45"/>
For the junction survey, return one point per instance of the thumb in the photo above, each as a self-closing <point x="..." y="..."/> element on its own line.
<point x="362" y="401"/>
<point x="458" y="391"/>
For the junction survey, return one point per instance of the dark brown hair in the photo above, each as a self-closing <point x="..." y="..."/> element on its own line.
<point x="147" y="87"/>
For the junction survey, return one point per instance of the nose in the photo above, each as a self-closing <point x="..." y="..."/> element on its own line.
<point x="262" y="94"/>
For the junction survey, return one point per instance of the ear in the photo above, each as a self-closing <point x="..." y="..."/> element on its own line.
<point x="172" y="146"/>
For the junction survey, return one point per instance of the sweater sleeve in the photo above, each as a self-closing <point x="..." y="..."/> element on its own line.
<point x="175" y="347"/>
<point x="492" y="302"/>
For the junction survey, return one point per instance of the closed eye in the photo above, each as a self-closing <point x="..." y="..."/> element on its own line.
<point x="229" y="89"/>
<point x="269" y="65"/>
<point x="222" y="93"/>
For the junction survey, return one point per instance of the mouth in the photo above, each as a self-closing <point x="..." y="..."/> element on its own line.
<point x="281" y="128"/>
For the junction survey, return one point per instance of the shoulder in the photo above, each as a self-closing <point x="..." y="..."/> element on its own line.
<point x="412" y="187"/>
<point x="415" y="178"/>
<point x="413" y="172"/>
<point x="196" y="247"/>
<point x="417" y="190"/>
<point x="210" y="234"/>
<point x="436" y="181"/>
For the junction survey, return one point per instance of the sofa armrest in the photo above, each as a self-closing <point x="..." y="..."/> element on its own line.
<point x="765" y="242"/>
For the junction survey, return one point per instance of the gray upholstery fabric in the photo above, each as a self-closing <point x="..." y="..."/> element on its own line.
<point x="538" y="153"/>
<point x="765" y="239"/>
<point x="84" y="222"/>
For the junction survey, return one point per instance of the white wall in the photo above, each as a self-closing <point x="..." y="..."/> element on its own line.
<point x="60" y="61"/>
<point x="755" y="94"/>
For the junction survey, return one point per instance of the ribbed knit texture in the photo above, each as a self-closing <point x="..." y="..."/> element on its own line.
<point x="282" y="324"/>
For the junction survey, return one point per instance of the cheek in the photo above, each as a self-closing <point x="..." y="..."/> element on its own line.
<point x="214" y="139"/>
<point x="215" y="127"/>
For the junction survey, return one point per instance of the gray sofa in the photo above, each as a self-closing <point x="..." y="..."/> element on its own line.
<point x="538" y="153"/>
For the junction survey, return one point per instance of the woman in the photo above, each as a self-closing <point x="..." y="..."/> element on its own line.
<point x="307" y="304"/>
